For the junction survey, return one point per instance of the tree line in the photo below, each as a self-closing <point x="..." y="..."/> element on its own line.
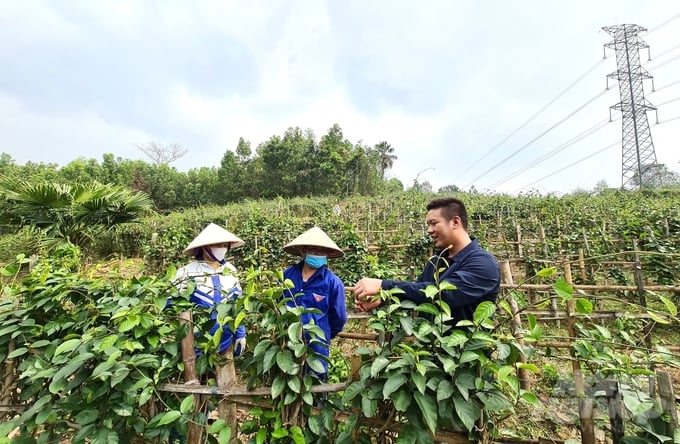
<point x="294" y="164"/>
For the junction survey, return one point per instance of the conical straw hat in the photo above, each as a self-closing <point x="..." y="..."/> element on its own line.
<point x="211" y="235"/>
<point x="314" y="237"/>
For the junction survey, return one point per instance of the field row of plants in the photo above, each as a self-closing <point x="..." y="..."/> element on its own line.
<point x="84" y="346"/>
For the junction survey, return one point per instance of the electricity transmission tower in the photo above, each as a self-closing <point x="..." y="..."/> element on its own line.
<point x="639" y="163"/>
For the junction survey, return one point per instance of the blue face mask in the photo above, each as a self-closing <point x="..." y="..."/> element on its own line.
<point x="315" y="261"/>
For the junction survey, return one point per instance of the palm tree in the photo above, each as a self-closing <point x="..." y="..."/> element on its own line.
<point x="72" y="214"/>
<point x="387" y="158"/>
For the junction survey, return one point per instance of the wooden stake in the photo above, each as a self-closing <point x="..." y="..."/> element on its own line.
<point x="194" y="430"/>
<point x="585" y="412"/>
<point x="575" y="364"/>
<point x="668" y="401"/>
<point x="516" y="325"/>
<point x="226" y="379"/>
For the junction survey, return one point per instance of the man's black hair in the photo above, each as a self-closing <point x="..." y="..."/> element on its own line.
<point x="451" y="207"/>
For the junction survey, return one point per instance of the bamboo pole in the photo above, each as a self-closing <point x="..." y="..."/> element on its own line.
<point x="585" y="413"/>
<point x="226" y="378"/>
<point x="194" y="430"/>
<point x="575" y="363"/>
<point x="668" y="402"/>
<point x="615" y="409"/>
<point x="516" y="326"/>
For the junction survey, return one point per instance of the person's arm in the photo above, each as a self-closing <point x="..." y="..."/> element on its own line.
<point x="337" y="310"/>
<point x="476" y="278"/>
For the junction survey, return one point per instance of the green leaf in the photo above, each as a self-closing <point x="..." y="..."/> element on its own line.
<point x="531" y="399"/>
<point x="169" y="417"/>
<point x="295" y="332"/>
<point x="657" y="318"/>
<point x="419" y="381"/>
<point x="67" y="346"/>
<point x="547" y="272"/>
<point x="85" y="417"/>
<point x="584" y="306"/>
<point x="60" y="378"/>
<point x="216" y="426"/>
<point x="294" y="384"/>
<point x="429" y="410"/>
<point x="369" y="406"/>
<point x="670" y="306"/>
<point x="18" y="352"/>
<point x="483" y="312"/>
<point x="278" y="385"/>
<point x="563" y="289"/>
<point x="378" y="364"/>
<point x="427" y="308"/>
<point x="468" y="412"/>
<point x="407" y="324"/>
<point x="352" y="391"/>
<point x="494" y="401"/>
<point x="270" y="357"/>
<point x="393" y="383"/>
<point x="280" y="432"/>
<point x="444" y="390"/>
<point x="402" y="399"/>
<point x="285" y="361"/>
<point x="468" y="356"/>
<point x="224" y="435"/>
<point x="187" y="404"/>
<point x="314" y="423"/>
<point x="121" y="409"/>
<point x="119" y="375"/>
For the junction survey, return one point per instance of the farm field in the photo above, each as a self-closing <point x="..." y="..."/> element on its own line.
<point x="594" y="279"/>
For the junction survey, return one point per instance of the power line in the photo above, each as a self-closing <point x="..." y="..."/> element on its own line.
<point x="561" y="121"/>
<point x="666" y="51"/>
<point x="661" y="25"/>
<point x="666" y="86"/>
<point x="667" y="102"/>
<point x="570" y="165"/>
<point x="664" y="63"/>
<point x="669" y="120"/>
<point x="582" y="135"/>
<point x="591" y="69"/>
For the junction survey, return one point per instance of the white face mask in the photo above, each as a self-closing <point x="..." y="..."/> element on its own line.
<point x="219" y="252"/>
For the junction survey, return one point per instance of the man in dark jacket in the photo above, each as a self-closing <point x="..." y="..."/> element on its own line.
<point x="459" y="261"/>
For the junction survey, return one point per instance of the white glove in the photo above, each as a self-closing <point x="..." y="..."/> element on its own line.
<point x="239" y="346"/>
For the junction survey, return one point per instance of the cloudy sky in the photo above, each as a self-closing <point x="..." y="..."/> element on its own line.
<point x="508" y="96"/>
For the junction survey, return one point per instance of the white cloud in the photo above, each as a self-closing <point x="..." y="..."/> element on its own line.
<point x="443" y="82"/>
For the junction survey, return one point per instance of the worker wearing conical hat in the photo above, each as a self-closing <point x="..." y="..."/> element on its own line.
<point x="214" y="278"/>
<point x="315" y="286"/>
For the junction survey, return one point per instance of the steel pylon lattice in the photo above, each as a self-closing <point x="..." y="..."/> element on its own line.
<point x="638" y="163"/>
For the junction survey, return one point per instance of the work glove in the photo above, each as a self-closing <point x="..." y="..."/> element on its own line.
<point x="239" y="346"/>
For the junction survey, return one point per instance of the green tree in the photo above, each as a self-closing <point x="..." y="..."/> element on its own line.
<point x="449" y="189"/>
<point x="81" y="170"/>
<point x="329" y="160"/>
<point x="243" y="150"/>
<point x="386" y="157"/>
<point x="201" y="188"/>
<point x="69" y="214"/>
<point x="230" y="179"/>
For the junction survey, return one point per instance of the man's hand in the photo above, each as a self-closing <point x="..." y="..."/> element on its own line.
<point x="365" y="291"/>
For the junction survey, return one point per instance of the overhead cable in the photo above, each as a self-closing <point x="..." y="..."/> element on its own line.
<point x="561" y="121"/>
<point x="539" y="112"/>
<point x="593" y="129"/>
<point x="571" y="165"/>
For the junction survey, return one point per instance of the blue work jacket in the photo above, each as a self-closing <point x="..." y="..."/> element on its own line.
<point x="324" y="291"/>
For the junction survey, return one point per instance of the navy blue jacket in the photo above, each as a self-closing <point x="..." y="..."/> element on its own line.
<point x="474" y="272"/>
